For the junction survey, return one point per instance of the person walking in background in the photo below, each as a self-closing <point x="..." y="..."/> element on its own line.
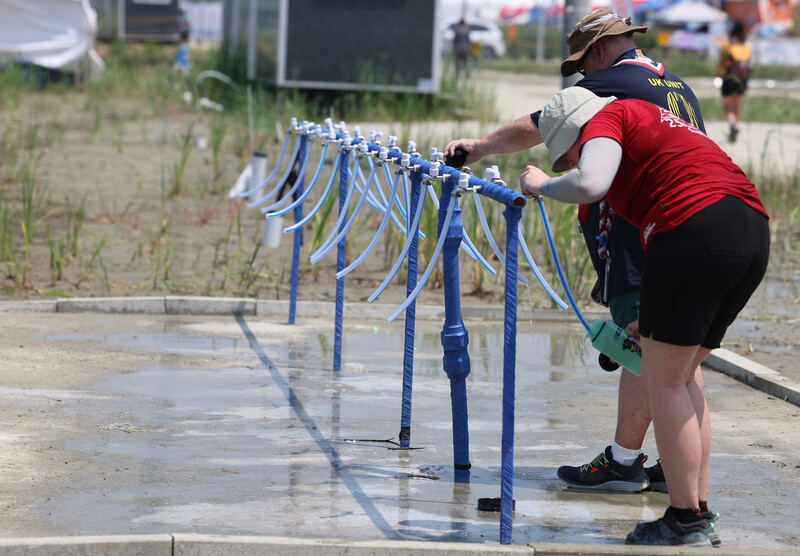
<point x="462" y="47"/>
<point x="603" y="49"/>
<point x="706" y="237"/>
<point x="734" y="69"/>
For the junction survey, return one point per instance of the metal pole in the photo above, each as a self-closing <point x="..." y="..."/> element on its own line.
<point x="344" y="165"/>
<point x="574" y="10"/>
<point x="455" y="337"/>
<point x="411" y="283"/>
<point x="298" y="235"/>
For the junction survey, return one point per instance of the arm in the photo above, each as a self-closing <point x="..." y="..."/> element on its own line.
<point x="723" y="61"/>
<point x="589" y="182"/>
<point x="516" y="136"/>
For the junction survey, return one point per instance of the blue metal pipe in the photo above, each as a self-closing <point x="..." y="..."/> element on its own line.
<point x="513" y="215"/>
<point x="411" y="283"/>
<point x="340" y="262"/>
<point x="456" y="363"/>
<point x="298" y="235"/>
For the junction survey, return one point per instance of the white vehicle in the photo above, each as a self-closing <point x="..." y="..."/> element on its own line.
<point x="482" y="31"/>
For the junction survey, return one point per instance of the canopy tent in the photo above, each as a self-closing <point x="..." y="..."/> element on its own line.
<point x="688" y="13"/>
<point x="53" y="34"/>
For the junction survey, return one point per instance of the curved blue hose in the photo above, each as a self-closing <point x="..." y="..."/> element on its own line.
<point x="557" y="262"/>
<point x="302" y="197"/>
<point x="377" y="235"/>
<point x="466" y="243"/>
<point x="401" y="257"/>
<point x="384" y="200"/>
<point x="344" y="229"/>
<point x="321" y="201"/>
<point x="297" y="184"/>
<point x="328" y="244"/>
<point x="431" y="264"/>
<point x="274" y="170"/>
<point x="283" y="179"/>
<point x="489" y="236"/>
<point x="536" y="272"/>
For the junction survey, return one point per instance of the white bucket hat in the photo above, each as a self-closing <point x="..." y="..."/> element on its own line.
<point x="563" y="116"/>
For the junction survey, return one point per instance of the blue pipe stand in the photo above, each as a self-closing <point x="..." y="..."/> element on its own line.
<point x="454" y="335"/>
<point x="344" y="171"/>
<point x="298" y="234"/>
<point x="512" y="214"/>
<point x="411" y="283"/>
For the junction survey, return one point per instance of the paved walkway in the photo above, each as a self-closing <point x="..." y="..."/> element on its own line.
<point x="172" y="425"/>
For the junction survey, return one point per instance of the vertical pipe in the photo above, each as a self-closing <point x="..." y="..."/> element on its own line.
<point x="298" y="234"/>
<point x="454" y="335"/>
<point x="411" y="283"/>
<point x="344" y="166"/>
<point x="512" y="214"/>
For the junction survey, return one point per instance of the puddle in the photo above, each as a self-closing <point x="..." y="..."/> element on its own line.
<point x="272" y="442"/>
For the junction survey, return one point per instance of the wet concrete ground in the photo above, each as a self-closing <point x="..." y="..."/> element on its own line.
<point x="238" y="425"/>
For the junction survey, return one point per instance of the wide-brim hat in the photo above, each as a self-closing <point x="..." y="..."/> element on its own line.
<point x="599" y="23"/>
<point x="563" y="116"/>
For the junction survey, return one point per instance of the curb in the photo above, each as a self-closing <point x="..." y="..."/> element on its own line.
<point x="199" y="305"/>
<point x="229" y="545"/>
<point x="720" y="360"/>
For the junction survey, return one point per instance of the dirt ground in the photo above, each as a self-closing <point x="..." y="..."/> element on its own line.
<point x="104" y="178"/>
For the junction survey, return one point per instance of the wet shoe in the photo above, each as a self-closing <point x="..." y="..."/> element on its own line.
<point x="603" y="473"/>
<point x="668" y="531"/>
<point x="711" y="530"/>
<point x="733" y="133"/>
<point x="656" y="477"/>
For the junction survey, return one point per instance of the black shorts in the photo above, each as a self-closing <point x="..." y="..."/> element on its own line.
<point x="733" y="85"/>
<point x="697" y="277"/>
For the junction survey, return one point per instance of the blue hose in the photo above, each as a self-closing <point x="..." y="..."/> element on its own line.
<point x="548" y="232"/>
<point x="274" y="170"/>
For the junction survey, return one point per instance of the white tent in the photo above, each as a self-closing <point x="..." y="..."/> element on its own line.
<point x="53" y="34"/>
<point x="689" y="12"/>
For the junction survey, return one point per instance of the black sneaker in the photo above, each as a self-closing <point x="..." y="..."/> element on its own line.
<point x="656" y="477"/>
<point x="603" y="473"/>
<point x="733" y="133"/>
<point x="711" y="530"/>
<point x="668" y="531"/>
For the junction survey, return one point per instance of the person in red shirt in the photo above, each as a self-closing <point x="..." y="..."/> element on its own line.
<point x="706" y="238"/>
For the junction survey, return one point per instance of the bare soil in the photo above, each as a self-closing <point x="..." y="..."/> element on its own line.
<point x="144" y="233"/>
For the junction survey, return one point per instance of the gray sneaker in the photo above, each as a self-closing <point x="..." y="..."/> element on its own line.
<point x="668" y="531"/>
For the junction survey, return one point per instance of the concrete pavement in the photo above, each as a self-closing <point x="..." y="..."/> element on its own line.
<point x="171" y="426"/>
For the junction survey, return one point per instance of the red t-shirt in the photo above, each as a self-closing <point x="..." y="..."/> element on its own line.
<point x="670" y="170"/>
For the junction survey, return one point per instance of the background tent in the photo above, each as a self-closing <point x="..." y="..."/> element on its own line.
<point x="688" y="13"/>
<point x="57" y="35"/>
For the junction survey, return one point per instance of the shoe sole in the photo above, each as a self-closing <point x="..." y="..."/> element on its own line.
<point x="659" y="487"/>
<point x="610" y="486"/>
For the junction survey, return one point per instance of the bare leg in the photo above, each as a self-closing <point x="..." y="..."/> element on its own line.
<point x="697" y="392"/>
<point x="680" y="417"/>
<point x="730" y="105"/>
<point x="633" y="411"/>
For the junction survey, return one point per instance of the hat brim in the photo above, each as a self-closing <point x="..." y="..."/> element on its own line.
<point x="570" y="65"/>
<point x="570" y="129"/>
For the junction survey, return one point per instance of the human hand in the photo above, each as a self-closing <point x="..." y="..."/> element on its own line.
<point x="469" y="146"/>
<point x="531" y="180"/>
<point x="632" y="330"/>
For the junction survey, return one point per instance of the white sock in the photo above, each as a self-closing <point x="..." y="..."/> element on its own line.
<point x="623" y="456"/>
